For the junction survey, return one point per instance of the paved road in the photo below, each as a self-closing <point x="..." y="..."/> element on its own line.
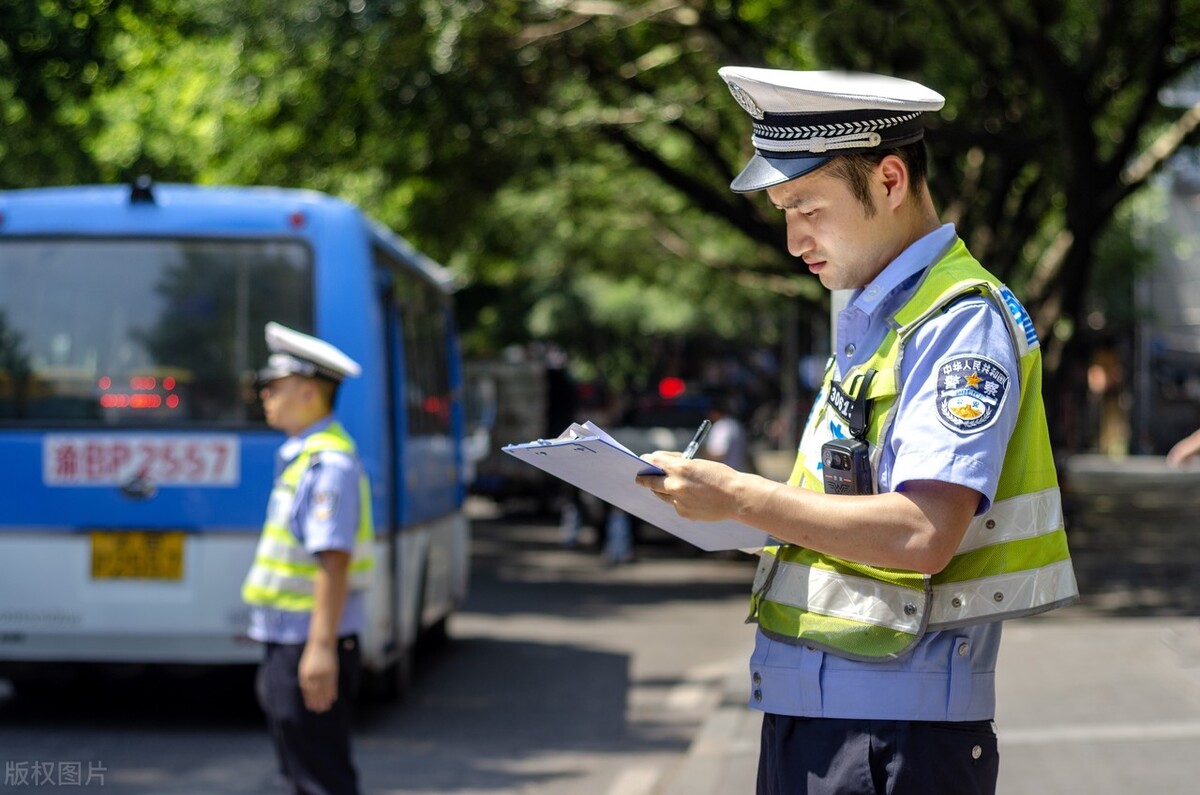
<point x="568" y="677"/>
<point x="1093" y="705"/>
<point x="565" y="676"/>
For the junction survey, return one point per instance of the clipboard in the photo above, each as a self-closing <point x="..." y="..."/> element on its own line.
<point x="606" y="469"/>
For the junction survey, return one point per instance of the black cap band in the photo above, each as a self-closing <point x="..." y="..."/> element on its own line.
<point x="778" y="134"/>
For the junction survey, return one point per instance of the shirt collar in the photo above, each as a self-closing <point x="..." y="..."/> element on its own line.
<point x="294" y="444"/>
<point x="912" y="261"/>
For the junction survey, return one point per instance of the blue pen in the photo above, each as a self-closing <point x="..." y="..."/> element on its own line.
<point x="697" y="440"/>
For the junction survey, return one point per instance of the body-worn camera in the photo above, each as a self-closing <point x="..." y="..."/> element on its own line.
<point x="846" y="463"/>
<point x="846" y="466"/>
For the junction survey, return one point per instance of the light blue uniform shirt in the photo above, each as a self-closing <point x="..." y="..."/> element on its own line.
<point x="949" y="675"/>
<point x="332" y="484"/>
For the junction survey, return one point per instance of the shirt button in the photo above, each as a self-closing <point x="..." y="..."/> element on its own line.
<point x="850" y="349"/>
<point x="963" y="649"/>
<point x="758" y="696"/>
<point x="757" y="679"/>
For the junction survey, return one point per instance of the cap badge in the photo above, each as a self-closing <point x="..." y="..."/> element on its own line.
<point x="745" y="100"/>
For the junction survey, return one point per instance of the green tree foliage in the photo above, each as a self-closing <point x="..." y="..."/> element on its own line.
<point x="53" y="58"/>
<point x="570" y="159"/>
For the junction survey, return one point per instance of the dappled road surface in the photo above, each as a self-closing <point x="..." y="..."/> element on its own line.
<point x="563" y="675"/>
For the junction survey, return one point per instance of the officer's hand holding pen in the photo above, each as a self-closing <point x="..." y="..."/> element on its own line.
<point x="697" y="489"/>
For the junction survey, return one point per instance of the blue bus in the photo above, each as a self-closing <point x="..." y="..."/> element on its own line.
<point x="135" y="464"/>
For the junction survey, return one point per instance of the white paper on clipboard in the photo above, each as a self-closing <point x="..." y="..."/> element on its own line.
<point x="588" y="458"/>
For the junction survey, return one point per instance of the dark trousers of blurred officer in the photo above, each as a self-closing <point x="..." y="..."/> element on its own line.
<point x="313" y="748"/>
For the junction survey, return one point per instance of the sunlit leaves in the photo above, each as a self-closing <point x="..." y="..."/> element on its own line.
<point x="570" y="159"/>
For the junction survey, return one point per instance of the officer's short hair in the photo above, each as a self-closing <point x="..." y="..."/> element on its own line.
<point x="856" y="167"/>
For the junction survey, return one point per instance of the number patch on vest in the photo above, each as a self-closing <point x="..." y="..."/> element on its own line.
<point x="970" y="392"/>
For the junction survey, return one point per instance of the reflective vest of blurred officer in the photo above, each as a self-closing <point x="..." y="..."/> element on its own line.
<point x="284" y="575"/>
<point x="307" y="585"/>
<point x="1013" y="560"/>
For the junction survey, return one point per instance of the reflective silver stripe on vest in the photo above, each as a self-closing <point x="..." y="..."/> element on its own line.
<point x="1015" y="519"/>
<point x="850" y="597"/>
<point x="263" y="577"/>
<point x="1014" y="594"/>
<point x="297" y="584"/>
<point x="279" y="552"/>
<point x="276" y="551"/>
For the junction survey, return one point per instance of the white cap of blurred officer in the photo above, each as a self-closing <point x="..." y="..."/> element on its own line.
<point x="299" y="384"/>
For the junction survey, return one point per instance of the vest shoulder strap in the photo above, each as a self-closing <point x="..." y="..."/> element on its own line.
<point x="955" y="275"/>
<point x="332" y="439"/>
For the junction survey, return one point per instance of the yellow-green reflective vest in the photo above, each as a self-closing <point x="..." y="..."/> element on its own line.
<point x="284" y="573"/>
<point x="1013" y="560"/>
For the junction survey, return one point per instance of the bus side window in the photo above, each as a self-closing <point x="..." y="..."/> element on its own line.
<point x="421" y="310"/>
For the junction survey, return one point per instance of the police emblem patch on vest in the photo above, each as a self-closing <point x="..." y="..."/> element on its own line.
<point x="324" y="504"/>
<point x="970" y="392"/>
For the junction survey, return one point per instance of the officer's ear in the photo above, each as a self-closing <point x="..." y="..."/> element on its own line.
<point x="893" y="173"/>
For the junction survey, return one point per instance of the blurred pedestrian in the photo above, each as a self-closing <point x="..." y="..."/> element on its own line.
<point x="618" y="536"/>
<point x="308" y="583"/>
<point x="726" y="441"/>
<point x="923" y="507"/>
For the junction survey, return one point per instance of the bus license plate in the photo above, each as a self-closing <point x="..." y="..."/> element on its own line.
<point x="115" y="459"/>
<point x="127" y="555"/>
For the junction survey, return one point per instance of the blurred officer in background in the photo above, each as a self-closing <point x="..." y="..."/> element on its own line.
<point x="308" y="583"/>
<point x="923" y="507"/>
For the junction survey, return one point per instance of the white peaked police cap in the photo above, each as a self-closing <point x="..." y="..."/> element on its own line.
<point x="294" y="353"/>
<point x="802" y="119"/>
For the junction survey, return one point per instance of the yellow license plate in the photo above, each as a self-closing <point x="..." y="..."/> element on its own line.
<point x="129" y="555"/>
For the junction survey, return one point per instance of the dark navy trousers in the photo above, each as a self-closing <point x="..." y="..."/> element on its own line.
<point x="828" y="756"/>
<point x="313" y="748"/>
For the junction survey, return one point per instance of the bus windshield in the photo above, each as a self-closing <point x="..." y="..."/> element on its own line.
<point x="145" y="331"/>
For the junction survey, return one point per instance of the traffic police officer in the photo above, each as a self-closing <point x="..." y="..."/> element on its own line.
<point x="879" y="602"/>
<point x="307" y="586"/>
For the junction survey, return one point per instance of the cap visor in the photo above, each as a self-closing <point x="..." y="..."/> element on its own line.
<point x="762" y="172"/>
